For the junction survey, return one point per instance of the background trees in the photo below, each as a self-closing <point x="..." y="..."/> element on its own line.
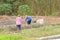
<point x="24" y="10"/>
<point x="5" y="9"/>
<point x="36" y="7"/>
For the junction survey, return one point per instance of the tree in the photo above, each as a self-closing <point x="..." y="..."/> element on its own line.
<point x="39" y="7"/>
<point x="5" y="9"/>
<point x="24" y="10"/>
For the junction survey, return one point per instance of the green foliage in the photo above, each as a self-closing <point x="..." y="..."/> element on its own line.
<point x="39" y="7"/>
<point x="29" y="33"/>
<point x="9" y="37"/>
<point x="9" y="0"/>
<point x="24" y="9"/>
<point x="54" y="14"/>
<point x="5" y="8"/>
<point x="13" y="37"/>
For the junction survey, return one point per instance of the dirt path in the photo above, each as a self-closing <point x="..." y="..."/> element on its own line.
<point x="10" y="20"/>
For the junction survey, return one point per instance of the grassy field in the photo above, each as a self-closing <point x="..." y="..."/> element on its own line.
<point x="29" y="33"/>
<point x="13" y="37"/>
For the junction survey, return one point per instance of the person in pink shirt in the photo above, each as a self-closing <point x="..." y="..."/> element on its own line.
<point x="18" y="22"/>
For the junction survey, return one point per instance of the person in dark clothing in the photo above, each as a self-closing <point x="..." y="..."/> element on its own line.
<point x="28" y="19"/>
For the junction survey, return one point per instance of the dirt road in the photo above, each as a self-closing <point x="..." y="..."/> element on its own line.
<point x="10" y="20"/>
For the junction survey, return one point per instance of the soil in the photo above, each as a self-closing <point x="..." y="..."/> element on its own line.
<point x="10" y="20"/>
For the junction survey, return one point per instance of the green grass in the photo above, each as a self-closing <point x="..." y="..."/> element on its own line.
<point x="42" y="31"/>
<point x="9" y="37"/>
<point x="13" y="37"/>
<point x="31" y="33"/>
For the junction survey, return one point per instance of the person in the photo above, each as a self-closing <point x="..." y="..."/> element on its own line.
<point x="18" y="22"/>
<point x="28" y="19"/>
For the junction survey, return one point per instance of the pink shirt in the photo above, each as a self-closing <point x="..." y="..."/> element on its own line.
<point x="18" y="21"/>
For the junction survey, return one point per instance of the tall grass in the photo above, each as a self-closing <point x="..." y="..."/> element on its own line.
<point x="10" y="32"/>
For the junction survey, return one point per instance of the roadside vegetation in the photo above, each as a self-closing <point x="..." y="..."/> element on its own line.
<point x="10" y="33"/>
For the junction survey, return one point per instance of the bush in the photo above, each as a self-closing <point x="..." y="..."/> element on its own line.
<point x="5" y="9"/>
<point x="24" y="9"/>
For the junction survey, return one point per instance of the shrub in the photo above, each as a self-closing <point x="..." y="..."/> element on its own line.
<point x="24" y="9"/>
<point x="5" y="9"/>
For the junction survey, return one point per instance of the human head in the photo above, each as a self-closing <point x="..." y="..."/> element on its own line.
<point x="18" y="15"/>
